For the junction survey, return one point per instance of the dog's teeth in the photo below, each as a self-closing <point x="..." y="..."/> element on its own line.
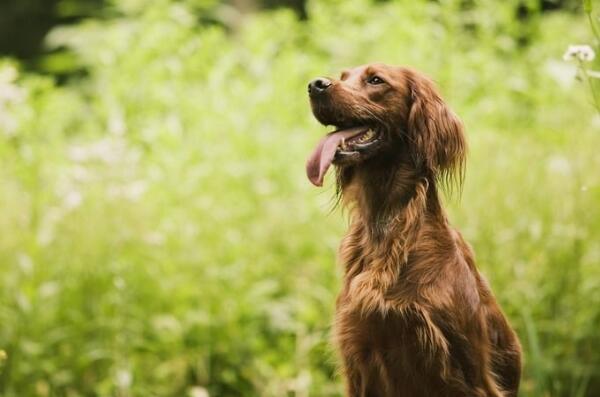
<point x="366" y="136"/>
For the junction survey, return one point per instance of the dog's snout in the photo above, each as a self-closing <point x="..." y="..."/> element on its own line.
<point x="318" y="86"/>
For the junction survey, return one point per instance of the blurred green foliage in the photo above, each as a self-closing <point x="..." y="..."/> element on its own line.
<point x="159" y="237"/>
<point x="24" y="23"/>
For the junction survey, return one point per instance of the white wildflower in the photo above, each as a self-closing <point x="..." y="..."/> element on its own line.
<point x="8" y="74"/>
<point x="47" y="228"/>
<point x="132" y="191"/>
<point x="135" y="190"/>
<point x="197" y="391"/>
<point x="48" y="289"/>
<point x="9" y="90"/>
<point x="182" y="15"/>
<point x="25" y="263"/>
<point x="559" y="165"/>
<point x="123" y="379"/>
<point x="582" y="52"/>
<point x="119" y="283"/>
<point x="11" y="95"/>
<point x="154" y="238"/>
<point x="72" y="200"/>
<point x="116" y="122"/>
<point x="111" y="150"/>
<point x="563" y="73"/>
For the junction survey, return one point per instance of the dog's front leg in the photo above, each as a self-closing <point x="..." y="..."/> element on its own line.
<point x="360" y="382"/>
<point x="354" y="384"/>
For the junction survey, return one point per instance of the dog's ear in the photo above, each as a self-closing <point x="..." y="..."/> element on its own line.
<point x="435" y="133"/>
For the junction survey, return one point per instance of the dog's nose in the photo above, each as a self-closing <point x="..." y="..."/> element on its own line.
<point x="318" y="86"/>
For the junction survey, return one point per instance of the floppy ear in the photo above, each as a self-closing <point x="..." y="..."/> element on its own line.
<point x="435" y="133"/>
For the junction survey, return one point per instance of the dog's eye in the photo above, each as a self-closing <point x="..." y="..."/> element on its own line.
<point x="374" y="80"/>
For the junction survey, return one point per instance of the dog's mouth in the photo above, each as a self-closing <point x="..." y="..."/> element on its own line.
<point x="355" y="144"/>
<point x="342" y="146"/>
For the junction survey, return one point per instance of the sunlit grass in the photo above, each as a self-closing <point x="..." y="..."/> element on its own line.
<point x="159" y="236"/>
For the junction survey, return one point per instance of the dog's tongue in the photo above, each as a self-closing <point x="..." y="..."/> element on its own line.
<point x="321" y="158"/>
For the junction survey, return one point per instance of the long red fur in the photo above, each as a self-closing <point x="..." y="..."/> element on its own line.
<point x="414" y="316"/>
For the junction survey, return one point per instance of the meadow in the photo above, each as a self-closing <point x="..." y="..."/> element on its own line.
<point x="159" y="236"/>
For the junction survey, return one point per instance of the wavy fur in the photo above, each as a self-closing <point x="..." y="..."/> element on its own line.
<point x="414" y="317"/>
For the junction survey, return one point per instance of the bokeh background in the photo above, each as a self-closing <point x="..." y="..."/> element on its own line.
<point x="158" y="236"/>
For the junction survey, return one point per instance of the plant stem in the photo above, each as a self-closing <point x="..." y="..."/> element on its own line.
<point x="593" y="26"/>
<point x="593" y="73"/>
<point x="591" y="84"/>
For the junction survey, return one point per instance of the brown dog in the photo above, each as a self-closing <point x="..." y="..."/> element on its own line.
<point x="414" y="317"/>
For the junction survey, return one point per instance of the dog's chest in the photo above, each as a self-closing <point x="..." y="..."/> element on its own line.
<point x="400" y="347"/>
<point x="400" y="330"/>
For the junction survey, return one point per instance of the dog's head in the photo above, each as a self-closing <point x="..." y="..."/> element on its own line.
<point x="377" y="109"/>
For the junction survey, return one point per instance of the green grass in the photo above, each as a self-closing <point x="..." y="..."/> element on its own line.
<point x="159" y="237"/>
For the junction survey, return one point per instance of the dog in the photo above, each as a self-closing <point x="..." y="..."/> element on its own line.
<point x="414" y="316"/>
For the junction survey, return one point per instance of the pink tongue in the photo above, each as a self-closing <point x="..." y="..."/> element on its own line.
<point x="321" y="158"/>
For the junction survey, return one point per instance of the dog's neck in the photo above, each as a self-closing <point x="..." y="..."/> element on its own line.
<point x="391" y="198"/>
